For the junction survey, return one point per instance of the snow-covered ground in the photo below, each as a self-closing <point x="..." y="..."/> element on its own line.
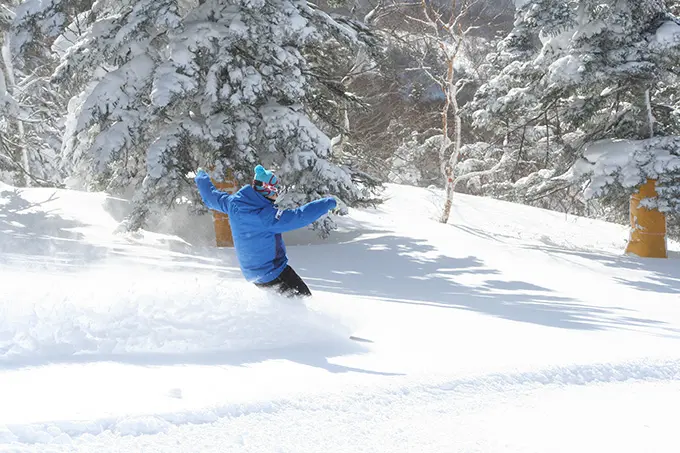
<point x="511" y="329"/>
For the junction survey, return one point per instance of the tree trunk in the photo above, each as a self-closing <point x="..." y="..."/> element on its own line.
<point x="11" y="88"/>
<point x="450" y="163"/>
<point x="650" y="115"/>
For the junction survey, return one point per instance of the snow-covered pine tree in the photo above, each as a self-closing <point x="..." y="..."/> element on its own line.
<point x="416" y="161"/>
<point x="39" y="23"/>
<point x="174" y="85"/>
<point x="587" y="71"/>
<point x="9" y="109"/>
<point x="520" y="139"/>
<point x="331" y="99"/>
<point x="34" y="130"/>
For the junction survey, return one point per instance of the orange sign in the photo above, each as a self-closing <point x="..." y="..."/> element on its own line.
<point x="223" y="236"/>
<point x="648" y="227"/>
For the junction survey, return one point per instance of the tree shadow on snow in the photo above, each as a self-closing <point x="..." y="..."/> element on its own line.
<point x="32" y="235"/>
<point x="411" y="271"/>
<point x="36" y="236"/>
<point x="313" y="355"/>
<point x="663" y="274"/>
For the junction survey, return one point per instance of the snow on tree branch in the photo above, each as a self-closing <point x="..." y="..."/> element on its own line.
<point x="627" y="162"/>
<point x="223" y="85"/>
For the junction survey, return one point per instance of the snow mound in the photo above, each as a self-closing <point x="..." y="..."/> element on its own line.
<point x="105" y="312"/>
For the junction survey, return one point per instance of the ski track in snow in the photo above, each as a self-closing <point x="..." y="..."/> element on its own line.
<point x="401" y="396"/>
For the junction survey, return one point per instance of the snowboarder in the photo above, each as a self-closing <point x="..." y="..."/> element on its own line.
<point x="256" y="225"/>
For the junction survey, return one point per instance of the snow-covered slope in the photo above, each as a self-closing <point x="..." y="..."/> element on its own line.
<point x="511" y="329"/>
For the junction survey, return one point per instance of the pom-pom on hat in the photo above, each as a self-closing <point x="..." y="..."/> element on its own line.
<point x="265" y="182"/>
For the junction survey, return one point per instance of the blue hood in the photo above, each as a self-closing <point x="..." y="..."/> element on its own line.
<point x="248" y="198"/>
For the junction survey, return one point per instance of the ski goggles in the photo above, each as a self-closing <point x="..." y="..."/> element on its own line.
<point x="266" y="187"/>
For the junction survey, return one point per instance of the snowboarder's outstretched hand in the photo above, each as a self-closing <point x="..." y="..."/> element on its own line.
<point x="334" y="208"/>
<point x="198" y="172"/>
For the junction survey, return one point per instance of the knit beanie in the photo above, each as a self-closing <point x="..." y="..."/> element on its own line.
<point x="265" y="182"/>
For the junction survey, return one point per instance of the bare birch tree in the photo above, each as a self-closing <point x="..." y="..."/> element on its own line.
<point x="447" y="30"/>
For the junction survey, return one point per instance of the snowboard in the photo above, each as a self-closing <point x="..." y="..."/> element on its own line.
<point x="360" y="339"/>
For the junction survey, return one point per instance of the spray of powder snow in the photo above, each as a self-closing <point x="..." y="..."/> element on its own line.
<point x="118" y="311"/>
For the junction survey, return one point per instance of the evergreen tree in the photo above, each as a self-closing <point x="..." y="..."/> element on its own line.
<point x="162" y="87"/>
<point x="9" y="108"/>
<point x="32" y="127"/>
<point x="586" y="71"/>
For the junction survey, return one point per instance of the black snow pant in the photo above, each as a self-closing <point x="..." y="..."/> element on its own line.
<point x="288" y="283"/>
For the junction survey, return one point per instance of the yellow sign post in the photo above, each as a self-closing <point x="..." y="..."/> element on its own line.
<point x="648" y="226"/>
<point x="223" y="236"/>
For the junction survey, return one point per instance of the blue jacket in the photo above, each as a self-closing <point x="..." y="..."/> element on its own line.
<point x="256" y="226"/>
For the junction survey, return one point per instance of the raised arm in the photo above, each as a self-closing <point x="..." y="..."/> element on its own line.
<point x="212" y="197"/>
<point x="282" y="220"/>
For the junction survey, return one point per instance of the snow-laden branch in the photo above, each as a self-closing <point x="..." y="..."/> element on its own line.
<point x="626" y="162"/>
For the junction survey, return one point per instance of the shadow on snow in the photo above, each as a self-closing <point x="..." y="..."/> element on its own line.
<point x="31" y="235"/>
<point x="313" y="355"/>
<point x="663" y="274"/>
<point x="406" y="270"/>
